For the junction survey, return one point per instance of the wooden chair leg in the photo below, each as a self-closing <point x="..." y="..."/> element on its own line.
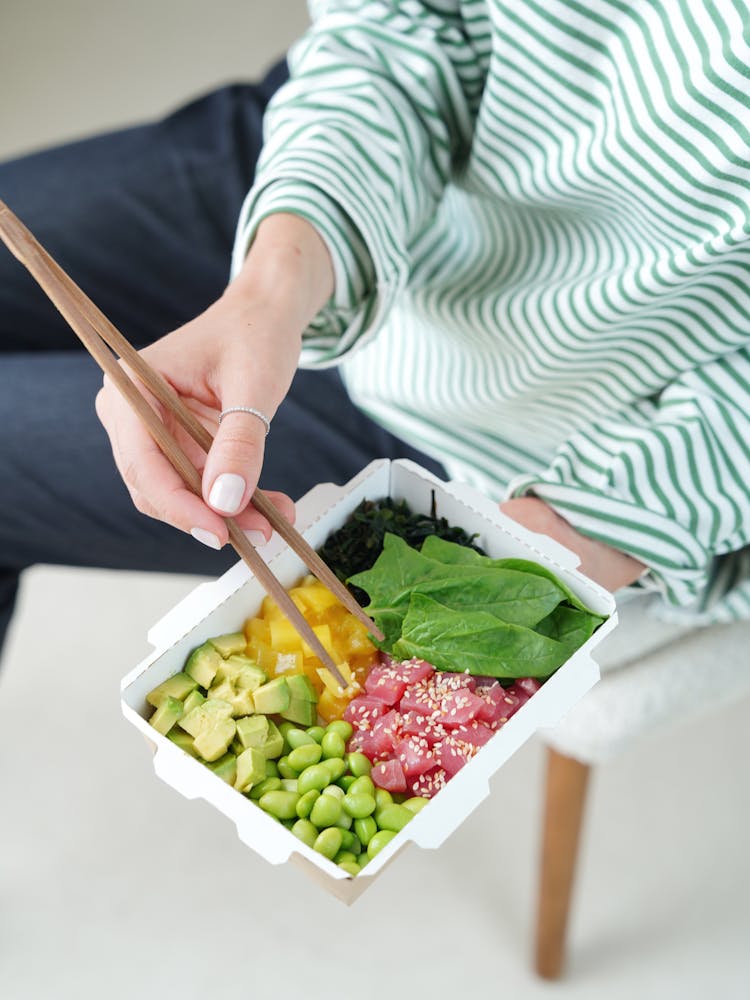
<point x="564" y="801"/>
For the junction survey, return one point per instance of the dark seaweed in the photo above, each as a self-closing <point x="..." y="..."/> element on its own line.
<point x="355" y="546"/>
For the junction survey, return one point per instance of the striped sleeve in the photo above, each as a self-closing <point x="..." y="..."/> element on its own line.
<point x="665" y="482"/>
<point x="377" y="116"/>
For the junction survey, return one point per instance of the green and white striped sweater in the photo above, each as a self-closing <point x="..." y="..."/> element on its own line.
<point x="539" y="216"/>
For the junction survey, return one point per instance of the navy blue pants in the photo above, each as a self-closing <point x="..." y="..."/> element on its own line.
<point x="143" y="220"/>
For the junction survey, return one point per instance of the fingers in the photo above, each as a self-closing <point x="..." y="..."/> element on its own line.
<point x="158" y="491"/>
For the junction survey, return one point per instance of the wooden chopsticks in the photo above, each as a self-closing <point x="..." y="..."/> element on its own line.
<point x="98" y="335"/>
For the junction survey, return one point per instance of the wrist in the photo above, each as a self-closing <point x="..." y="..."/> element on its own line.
<point x="287" y="274"/>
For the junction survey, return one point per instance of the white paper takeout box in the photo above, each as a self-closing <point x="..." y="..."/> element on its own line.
<point x="214" y="608"/>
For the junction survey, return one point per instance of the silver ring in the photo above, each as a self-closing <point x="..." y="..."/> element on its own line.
<point x="247" y="409"/>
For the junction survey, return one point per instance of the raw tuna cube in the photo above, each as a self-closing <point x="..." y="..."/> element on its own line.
<point x="420" y="698"/>
<point x="493" y="709"/>
<point x="429" y="783"/>
<point x="530" y="685"/>
<point x="460" y="707"/>
<point x="451" y="754"/>
<point x="363" y="711"/>
<point x="414" y="755"/>
<point x="414" y="724"/>
<point x="445" y="682"/>
<point x="383" y="684"/>
<point x="386" y="732"/>
<point x="389" y="775"/>
<point x="412" y="671"/>
<point x="474" y="733"/>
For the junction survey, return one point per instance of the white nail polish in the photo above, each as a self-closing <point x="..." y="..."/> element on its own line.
<point x="256" y="538"/>
<point x="227" y="493"/>
<point x="207" y="537"/>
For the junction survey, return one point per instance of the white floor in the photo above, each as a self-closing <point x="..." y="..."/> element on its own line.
<point x="113" y="886"/>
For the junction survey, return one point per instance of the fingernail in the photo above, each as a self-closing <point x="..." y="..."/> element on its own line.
<point x="207" y="537"/>
<point x="256" y="538"/>
<point x="227" y="493"/>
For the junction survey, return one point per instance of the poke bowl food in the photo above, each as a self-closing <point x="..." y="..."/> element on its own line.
<point x="251" y="719"/>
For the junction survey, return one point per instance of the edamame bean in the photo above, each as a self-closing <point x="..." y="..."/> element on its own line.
<point x="346" y="781"/>
<point x="350" y="867"/>
<point x="335" y="766"/>
<point x="285" y="768"/>
<point x="358" y="763"/>
<point x="306" y="802"/>
<point x="333" y="745"/>
<point x="345" y="856"/>
<point x="272" y="770"/>
<point x="328" y="842"/>
<point x="342" y="727"/>
<point x="326" y="811"/>
<point x="298" y="738"/>
<point x="335" y="791"/>
<point x="304" y="756"/>
<point x="349" y="841"/>
<point x="289" y="784"/>
<point x="359" y="805"/>
<point x="365" y="829"/>
<point x="378" y="842"/>
<point x="317" y="776"/>
<point x="382" y="798"/>
<point x="284" y="728"/>
<point x="344" y="821"/>
<point x="362" y="785"/>
<point x="317" y="732"/>
<point x="393" y="817"/>
<point x="267" y="785"/>
<point x="282" y="805"/>
<point x="416" y="804"/>
<point x="305" y="831"/>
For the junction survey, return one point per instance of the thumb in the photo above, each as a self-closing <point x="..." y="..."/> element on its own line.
<point x="234" y="462"/>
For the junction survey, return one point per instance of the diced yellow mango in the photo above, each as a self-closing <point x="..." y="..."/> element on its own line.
<point x="270" y="610"/>
<point x="288" y="663"/>
<point x="265" y="657"/>
<point x="323" y="633"/>
<point x="256" y="628"/>
<point x="318" y="598"/>
<point x="284" y="636"/>
<point x="330" y="707"/>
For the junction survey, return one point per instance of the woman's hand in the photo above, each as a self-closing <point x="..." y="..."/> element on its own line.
<point x="242" y="351"/>
<point x="607" y="566"/>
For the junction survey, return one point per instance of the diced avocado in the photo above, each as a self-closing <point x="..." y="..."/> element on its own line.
<point x="203" y="663"/>
<point x="206" y="716"/>
<point x="229" y="644"/>
<point x="251" y="768"/>
<point x="192" y="701"/>
<point x="235" y="665"/>
<point x="301" y="688"/>
<point x="272" y="697"/>
<point x="225" y="768"/>
<point x="304" y="713"/>
<point x="177" y="686"/>
<point x="241" y="701"/>
<point x="183" y="740"/>
<point x="213" y="743"/>
<point x="274" y="744"/>
<point x="252" y="731"/>
<point x="169" y="711"/>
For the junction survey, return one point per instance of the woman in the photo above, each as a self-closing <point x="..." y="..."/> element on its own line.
<point x="520" y="229"/>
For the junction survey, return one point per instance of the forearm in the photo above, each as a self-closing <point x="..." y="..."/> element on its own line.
<point x="287" y="276"/>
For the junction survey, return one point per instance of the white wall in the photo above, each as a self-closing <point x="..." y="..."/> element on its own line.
<point x="70" y="67"/>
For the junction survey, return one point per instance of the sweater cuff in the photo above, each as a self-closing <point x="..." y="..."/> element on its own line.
<point x="679" y="566"/>
<point x="360" y="298"/>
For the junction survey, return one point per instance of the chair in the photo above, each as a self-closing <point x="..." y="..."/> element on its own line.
<point x="653" y="674"/>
